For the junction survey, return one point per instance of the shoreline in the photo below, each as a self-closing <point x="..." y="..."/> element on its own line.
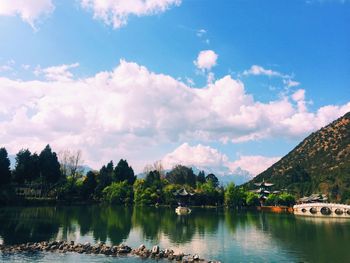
<point x="56" y="203"/>
<point x="142" y="252"/>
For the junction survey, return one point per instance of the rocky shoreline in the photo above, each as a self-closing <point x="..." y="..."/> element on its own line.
<point x="101" y="248"/>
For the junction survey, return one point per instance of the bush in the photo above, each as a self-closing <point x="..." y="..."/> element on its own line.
<point x="118" y="193"/>
<point x="252" y="199"/>
<point x="286" y="199"/>
<point x="272" y="199"/>
<point x="234" y="196"/>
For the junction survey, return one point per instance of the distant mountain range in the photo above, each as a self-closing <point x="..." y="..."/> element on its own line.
<point x="239" y="176"/>
<point x="319" y="164"/>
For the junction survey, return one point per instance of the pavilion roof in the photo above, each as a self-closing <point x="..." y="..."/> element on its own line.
<point x="183" y="192"/>
<point x="263" y="183"/>
<point x="313" y="198"/>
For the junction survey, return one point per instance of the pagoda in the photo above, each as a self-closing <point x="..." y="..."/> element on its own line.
<point x="263" y="191"/>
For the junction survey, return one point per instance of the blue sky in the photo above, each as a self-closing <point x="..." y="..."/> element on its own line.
<point x="261" y="45"/>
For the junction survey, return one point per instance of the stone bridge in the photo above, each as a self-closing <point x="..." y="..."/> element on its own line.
<point x="323" y="210"/>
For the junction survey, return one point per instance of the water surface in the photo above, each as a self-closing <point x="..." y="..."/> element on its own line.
<point x="225" y="235"/>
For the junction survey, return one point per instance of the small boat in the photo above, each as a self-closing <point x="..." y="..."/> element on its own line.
<point x="323" y="210"/>
<point x="182" y="210"/>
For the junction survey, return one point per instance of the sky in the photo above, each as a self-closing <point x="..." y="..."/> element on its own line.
<point x="221" y="85"/>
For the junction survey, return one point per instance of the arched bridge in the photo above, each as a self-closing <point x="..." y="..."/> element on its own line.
<point x="323" y="210"/>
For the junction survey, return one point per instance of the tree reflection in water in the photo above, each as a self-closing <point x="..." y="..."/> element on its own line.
<point x="28" y="224"/>
<point x="298" y="238"/>
<point x="179" y="229"/>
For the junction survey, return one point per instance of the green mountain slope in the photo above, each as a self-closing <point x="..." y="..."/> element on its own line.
<point x="319" y="164"/>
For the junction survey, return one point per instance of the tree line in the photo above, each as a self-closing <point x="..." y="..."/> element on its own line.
<point x="61" y="176"/>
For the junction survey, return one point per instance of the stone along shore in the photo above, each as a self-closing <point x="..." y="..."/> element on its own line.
<point x="101" y="248"/>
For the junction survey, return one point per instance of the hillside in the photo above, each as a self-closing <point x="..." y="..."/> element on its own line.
<point x="320" y="163"/>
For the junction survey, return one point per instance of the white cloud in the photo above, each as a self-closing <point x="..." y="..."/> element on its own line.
<point x="259" y="70"/>
<point x="57" y="73"/>
<point x="117" y="12"/>
<point x="29" y="10"/>
<point x="199" y="156"/>
<point x="255" y="164"/>
<point x="8" y="66"/>
<point x="25" y="66"/>
<point x="290" y="83"/>
<point x="299" y="95"/>
<point x="211" y="160"/>
<point x="206" y="60"/>
<point x="133" y="113"/>
<point x="201" y="32"/>
<point x="4" y="68"/>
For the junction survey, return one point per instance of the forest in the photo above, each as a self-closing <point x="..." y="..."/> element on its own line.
<point x="62" y="178"/>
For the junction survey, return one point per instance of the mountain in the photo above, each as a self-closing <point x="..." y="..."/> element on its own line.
<point x="239" y="176"/>
<point x="225" y="176"/>
<point x="319" y="164"/>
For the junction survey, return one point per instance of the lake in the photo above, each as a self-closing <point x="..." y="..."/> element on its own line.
<point x="217" y="234"/>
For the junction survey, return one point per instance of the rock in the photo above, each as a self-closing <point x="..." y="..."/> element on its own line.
<point x="53" y="247"/>
<point x="155" y="249"/>
<point x="179" y="257"/>
<point x="142" y="247"/>
<point x="64" y="246"/>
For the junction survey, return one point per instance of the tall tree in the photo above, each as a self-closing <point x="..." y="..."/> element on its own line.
<point x="104" y="178"/>
<point x="27" y="166"/>
<point x="201" y="177"/>
<point x="153" y="179"/>
<point x="5" y="172"/>
<point x="124" y="172"/>
<point x="89" y="184"/>
<point x="181" y="175"/>
<point x="49" y="165"/>
<point x="71" y="163"/>
<point x="156" y="166"/>
<point x="211" y="177"/>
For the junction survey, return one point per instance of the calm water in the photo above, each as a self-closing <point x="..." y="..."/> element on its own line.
<point x="223" y="235"/>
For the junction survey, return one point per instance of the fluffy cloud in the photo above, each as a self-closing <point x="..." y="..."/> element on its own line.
<point x="57" y="73"/>
<point x="206" y="60"/>
<point x="211" y="160"/>
<point x="133" y="113"/>
<point x="290" y="83"/>
<point x="255" y="164"/>
<point x="200" y="156"/>
<point x="259" y="70"/>
<point x="30" y="11"/>
<point x="117" y="12"/>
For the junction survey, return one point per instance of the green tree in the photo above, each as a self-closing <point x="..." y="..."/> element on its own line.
<point x="286" y="199"/>
<point x="153" y="179"/>
<point x="138" y="187"/>
<point x="181" y="175"/>
<point x="118" y="193"/>
<point x="104" y="178"/>
<point x="27" y="167"/>
<point x="49" y="165"/>
<point x="124" y="172"/>
<point x="201" y="177"/>
<point x="272" y="199"/>
<point x="208" y="194"/>
<point x="169" y="191"/>
<point x="252" y="199"/>
<point x="5" y="172"/>
<point x="234" y="196"/>
<point x="211" y="177"/>
<point x="89" y="185"/>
